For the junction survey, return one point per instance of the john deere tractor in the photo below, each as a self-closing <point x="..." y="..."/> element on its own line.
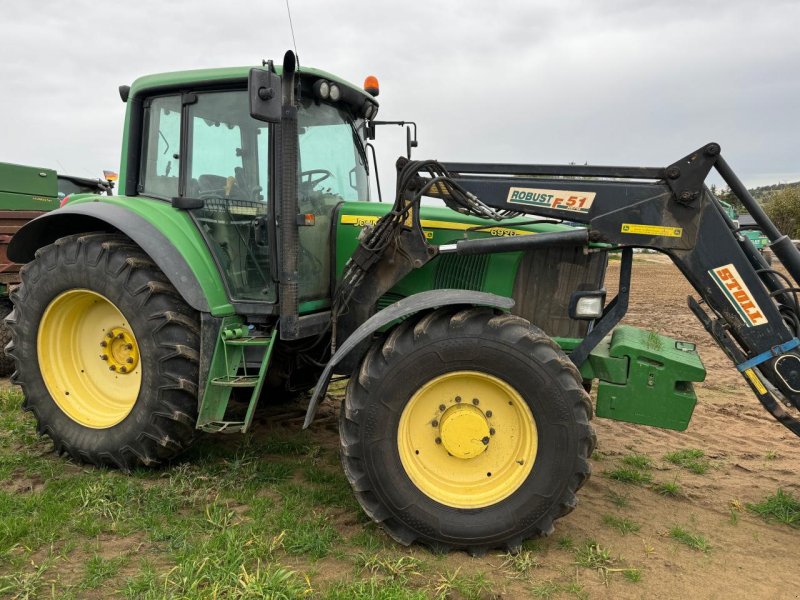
<point x="245" y="261"/>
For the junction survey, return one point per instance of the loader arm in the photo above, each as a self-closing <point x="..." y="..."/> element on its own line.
<point x="753" y="312"/>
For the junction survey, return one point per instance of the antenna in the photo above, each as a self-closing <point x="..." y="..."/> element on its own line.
<point x="291" y="26"/>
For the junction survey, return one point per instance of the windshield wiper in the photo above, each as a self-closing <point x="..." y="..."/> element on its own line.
<point x="359" y="145"/>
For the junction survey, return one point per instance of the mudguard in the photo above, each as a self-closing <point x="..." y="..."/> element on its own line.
<point x="97" y="216"/>
<point x="398" y="310"/>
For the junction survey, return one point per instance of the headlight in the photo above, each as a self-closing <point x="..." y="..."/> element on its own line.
<point x="587" y="305"/>
<point x="335" y="92"/>
<point x="322" y="89"/>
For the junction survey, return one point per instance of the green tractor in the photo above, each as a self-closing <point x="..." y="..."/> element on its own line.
<point x="243" y="261"/>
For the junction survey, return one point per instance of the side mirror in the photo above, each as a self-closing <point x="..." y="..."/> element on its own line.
<point x="411" y="143"/>
<point x="264" y="89"/>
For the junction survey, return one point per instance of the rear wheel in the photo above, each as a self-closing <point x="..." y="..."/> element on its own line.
<point x="466" y="429"/>
<point x="106" y="352"/>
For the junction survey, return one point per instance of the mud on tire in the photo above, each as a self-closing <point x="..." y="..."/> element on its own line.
<point x="506" y="347"/>
<point x="161" y="423"/>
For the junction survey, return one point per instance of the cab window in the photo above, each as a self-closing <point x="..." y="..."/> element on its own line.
<point x="227" y="166"/>
<point x="160" y="170"/>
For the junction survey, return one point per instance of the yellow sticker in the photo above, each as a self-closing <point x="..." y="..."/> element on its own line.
<point x="362" y="220"/>
<point x="755" y="381"/>
<point x="658" y="230"/>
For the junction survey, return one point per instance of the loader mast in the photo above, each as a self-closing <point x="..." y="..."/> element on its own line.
<point x="752" y="309"/>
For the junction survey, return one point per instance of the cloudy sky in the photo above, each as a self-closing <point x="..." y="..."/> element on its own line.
<point x="605" y="81"/>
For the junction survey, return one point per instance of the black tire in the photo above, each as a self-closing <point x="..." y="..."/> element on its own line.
<point x="477" y="339"/>
<point x="161" y="423"/>
<point x="6" y="361"/>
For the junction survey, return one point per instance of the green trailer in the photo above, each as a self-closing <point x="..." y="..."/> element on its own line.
<point x="27" y="192"/>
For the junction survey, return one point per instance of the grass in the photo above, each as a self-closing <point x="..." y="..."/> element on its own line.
<point x="400" y="568"/>
<point x="629" y="475"/>
<point x="632" y="575"/>
<point x="621" y="524"/>
<point x="553" y="589"/>
<point x="565" y="542"/>
<point x="469" y="587"/>
<point x="518" y="566"/>
<point x="593" y="556"/>
<point x="695" y="541"/>
<point x="668" y="488"/>
<point x="691" y="459"/>
<point x="618" y="500"/>
<point x="638" y="461"/>
<point x="780" y="507"/>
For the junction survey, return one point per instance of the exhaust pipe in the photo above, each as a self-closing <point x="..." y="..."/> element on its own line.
<point x="289" y="324"/>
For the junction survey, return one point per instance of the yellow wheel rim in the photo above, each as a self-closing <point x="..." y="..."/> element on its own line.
<point x="89" y="358"/>
<point x="467" y="439"/>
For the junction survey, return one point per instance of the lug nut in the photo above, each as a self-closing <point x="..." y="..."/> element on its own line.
<point x="438" y="440"/>
<point x="104" y="357"/>
<point x="441" y="407"/>
<point x="435" y="423"/>
<point x="103" y="344"/>
<point x="129" y="346"/>
<point x="491" y="431"/>
<point x="475" y="401"/>
<point x="458" y="398"/>
<point x="485" y="441"/>
<point x="109" y="335"/>
<point x="112" y="368"/>
<point x="129" y="360"/>
<point x="488" y="413"/>
<point x="120" y="336"/>
<point x="122" y="369"/>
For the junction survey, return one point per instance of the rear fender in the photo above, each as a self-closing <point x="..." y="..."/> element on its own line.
<point x="98" y="216"/>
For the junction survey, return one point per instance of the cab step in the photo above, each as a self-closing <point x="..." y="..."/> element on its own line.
<point x="228" y="371"/>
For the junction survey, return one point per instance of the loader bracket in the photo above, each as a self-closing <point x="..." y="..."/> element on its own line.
<point x="686" y="177"/>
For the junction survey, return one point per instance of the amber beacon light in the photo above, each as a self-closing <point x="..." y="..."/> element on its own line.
<point x="371" y="85"/>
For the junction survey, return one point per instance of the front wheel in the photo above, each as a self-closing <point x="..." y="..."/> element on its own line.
<point x="106" y="352"/>
<point x="466" y="429"/>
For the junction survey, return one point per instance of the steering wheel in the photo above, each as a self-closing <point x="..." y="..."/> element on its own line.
<point x="307" y="177"/>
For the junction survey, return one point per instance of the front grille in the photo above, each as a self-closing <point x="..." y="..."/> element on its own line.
<point x="461" y="272"/>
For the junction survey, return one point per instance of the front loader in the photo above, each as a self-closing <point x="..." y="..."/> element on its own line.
<point x="243" y="263"/>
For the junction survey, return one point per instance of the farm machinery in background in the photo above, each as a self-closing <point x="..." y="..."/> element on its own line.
<point x="26" y="193"/>
<point x="748" y="228"/>
<point x="243" y="261"/>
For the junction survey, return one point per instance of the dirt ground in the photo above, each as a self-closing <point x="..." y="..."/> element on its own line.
<point x="751" y="453"/>
<point x="751" y="456"/>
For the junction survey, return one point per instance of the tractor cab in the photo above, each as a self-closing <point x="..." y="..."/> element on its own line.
<point x="202" y="151"/>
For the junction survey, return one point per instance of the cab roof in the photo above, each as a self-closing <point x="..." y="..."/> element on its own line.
<point x="224" y="75"/>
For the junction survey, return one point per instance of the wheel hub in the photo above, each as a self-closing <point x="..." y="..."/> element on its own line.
<point x="467" y="439"/>
<point x="120" y="351"/>
<point x="94" y="392"/>
<point x="464" y="431"/>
